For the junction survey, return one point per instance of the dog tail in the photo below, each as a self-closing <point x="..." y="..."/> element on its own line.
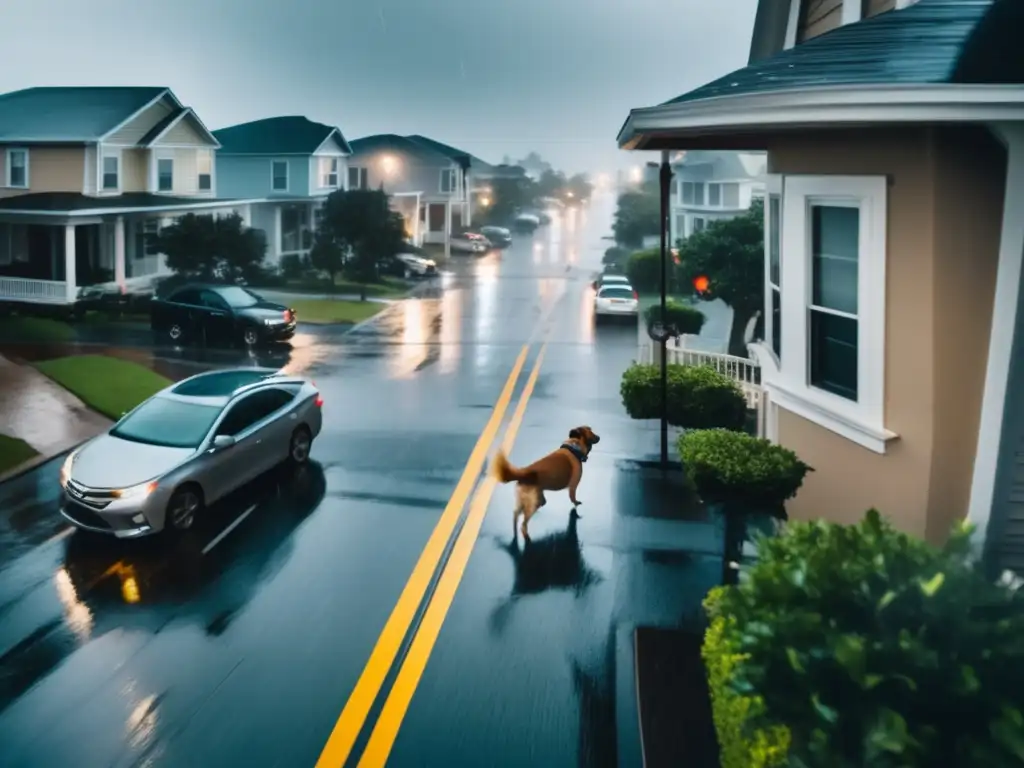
<point x="506" y="473"/>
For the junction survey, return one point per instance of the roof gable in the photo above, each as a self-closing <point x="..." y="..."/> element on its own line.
<point x="287" y="135"/>
<point x="72" y="114"/>
<point x="390" y="142"/>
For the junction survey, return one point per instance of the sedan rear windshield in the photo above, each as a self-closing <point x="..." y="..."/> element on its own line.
<point x="167" y="422"/>
<point x="616" y="292"/>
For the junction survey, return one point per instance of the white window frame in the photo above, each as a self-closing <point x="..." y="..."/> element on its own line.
<point x="683" y="186"/>
<point x="862" y="421"/>
<point x="718" y="186"/>
<point x="447" y="173"/>
<point x="208" y="154"/>
<point x="773" y="188"/>
<point x="325" y="175"/>
<point x="11" y="151"/>
<point x="115" y="155"/>
<point x="157" y="180"/>
<point x="362" y="177"/>
<point x="852" y="12"/>
<point x="287" y="175"/>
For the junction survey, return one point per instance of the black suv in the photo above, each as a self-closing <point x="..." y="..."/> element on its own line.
<point x="219" y="314"/>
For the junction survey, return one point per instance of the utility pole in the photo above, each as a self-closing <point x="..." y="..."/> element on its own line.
<point x="665" y="178"/>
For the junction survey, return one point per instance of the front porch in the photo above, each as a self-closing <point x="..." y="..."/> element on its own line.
<point x="47" y="263"/>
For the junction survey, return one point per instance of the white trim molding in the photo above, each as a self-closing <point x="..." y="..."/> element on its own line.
<point x="842" y="105"/>
<point x="7" y="168"/>
<point x="167" y="128"/>
<point x="787" y="379"/>
<point x="1005" y="307"/>
<point x="287" y="174"/>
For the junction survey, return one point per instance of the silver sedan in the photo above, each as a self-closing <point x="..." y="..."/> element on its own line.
<point x="186" y="447"/>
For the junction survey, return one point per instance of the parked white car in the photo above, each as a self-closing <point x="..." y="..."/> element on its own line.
<point x="417" y="266"/>
<point x="616" y="300"/>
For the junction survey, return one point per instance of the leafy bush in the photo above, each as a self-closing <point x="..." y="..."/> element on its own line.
<point x="683" y="317"/>
<point x="643" y="269"/>
<point x="294" y="266"/>
<point x="616" y="255"/>
<point x="873" y="648"/>
<point x="737" y="468"/>
<point x="740" y="746"/>
<point x="699" y="397"/>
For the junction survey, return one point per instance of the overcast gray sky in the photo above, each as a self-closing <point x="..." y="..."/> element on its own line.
<point x="494" y="77"/>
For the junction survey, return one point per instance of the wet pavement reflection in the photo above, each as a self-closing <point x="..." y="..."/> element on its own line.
<point x="240" y="642"/>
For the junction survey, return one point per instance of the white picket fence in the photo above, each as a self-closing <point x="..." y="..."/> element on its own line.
<point x="744" y="371"/>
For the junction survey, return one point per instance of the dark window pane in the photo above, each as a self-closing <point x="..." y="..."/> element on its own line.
<point x="834" y="354"/>
<point x="777" y="323"/>
<point x="836" y="245"/>
<point x="774" y="238"/>
<point x="205" y="182"/>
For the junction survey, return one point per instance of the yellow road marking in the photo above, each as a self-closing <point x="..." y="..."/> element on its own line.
<point x="346" y="730"/>
<point x="397" y="704"/>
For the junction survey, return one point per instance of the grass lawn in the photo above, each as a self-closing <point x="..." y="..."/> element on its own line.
<point x="14" y="452"/>
<point x="38" y="330"/>
<point x="108" y="385"/>
<point x="325" y="311"/>
<point x="390" y="287"/>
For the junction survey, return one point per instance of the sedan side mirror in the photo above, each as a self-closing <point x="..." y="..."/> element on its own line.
<point x="220" y="442"/>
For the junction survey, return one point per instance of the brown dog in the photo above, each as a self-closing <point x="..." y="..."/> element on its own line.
<point x="557" y="471"/>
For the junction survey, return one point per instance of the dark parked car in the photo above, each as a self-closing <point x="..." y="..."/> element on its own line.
<point x="220" y="314"/>
<point x="499" y="236"/>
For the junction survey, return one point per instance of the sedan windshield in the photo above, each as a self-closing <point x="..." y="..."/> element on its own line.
<point x="167" y="422"/>
<point x="236" y="297"/>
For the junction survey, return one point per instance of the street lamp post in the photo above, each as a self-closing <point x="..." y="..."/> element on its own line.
<point x="665" y="178"/>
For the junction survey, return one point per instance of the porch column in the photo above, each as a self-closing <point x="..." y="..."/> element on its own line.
<point x="416" y="233"/>
<point x="276" y="247"/>
<point x="119" y="276"/>
<point x="70" y="264"/>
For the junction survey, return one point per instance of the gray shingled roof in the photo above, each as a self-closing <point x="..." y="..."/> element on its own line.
<point x="69" y="114"/>
<point x="390" y="142"/>
<point x="287" y="135"/>
<point x="921" y="44"/>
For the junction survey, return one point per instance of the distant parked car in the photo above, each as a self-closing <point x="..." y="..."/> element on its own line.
<point x="609" y="279"/>
<point x="526" y="222"/>
<point x="186" y="447"/>
<point x="220" y="313"/>
<point x="615" y="300"/>
<point x="499" y="236"/>
<point x="417" y="266"/>
<point x="470" y="242"/>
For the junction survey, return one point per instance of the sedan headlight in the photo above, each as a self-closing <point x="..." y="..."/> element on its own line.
<point x="65" y="469"/>
<point x="136" y="491"/>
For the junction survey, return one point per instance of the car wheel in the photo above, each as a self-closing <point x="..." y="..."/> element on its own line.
<point x="301" y="444"/>
<point x="175" y="333"/>
<point x="250" y="337"/>
<point x="184" y="505"/>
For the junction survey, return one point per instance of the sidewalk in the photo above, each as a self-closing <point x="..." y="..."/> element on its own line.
<point x="47" y="417"/>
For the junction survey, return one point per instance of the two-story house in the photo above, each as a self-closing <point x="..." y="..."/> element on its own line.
<point x="478" y="175"/>
<point x="86" y="175"/>
<point x="708" y="186"/>
<point x="291" y="162"/>
<point x="893" y="358"/>
<point x="426" y="185"/>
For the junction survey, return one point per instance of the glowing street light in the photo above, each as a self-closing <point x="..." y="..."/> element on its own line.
<point x="636" y="173"/>
<point x="485" y="201"/>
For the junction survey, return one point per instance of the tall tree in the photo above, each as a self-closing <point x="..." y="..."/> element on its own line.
<point x="580" y="187"/>
<point x="551" y="184"/>
<point x="358" y="230"/>
<point x="205" y="247"/>
<point x="637" y="216"/>
<point x="509" y="196"/>
<point x="730" y="254"/>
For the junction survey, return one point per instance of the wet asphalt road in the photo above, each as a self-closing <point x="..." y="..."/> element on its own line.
<point x="240" y="644"/>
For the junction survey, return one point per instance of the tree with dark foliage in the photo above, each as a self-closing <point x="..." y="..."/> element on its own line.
<point x="204" y="247"/>
<point x="638" y="215"/>
<point x="358" y="231"/>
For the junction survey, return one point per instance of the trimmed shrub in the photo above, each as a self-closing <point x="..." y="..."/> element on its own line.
<point x="736" y="468"/>
<point x="683" y="317"/>
<point x="872" y="647"/>
<point x="699" y="397"/>
<point x="643" y="269"/>
<point x="740" y="745"/>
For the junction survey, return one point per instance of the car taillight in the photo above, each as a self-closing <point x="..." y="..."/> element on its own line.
<point x="319" y="402"/>
<point x="636" y="296"/>
<point x="288" y="315"/>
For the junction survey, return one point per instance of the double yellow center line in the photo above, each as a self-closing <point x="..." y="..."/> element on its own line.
<point x="346" y="731"/>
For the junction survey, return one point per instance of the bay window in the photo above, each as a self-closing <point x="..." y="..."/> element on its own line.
<point x="825" y="253"/>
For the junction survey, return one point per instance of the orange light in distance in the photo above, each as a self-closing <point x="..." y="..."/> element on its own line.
<point x="701" y="283"/>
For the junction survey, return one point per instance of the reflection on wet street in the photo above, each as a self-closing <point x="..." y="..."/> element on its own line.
<point x="240" y="642"/>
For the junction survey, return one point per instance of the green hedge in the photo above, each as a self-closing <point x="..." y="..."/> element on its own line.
<point x="643" y="269"/>
<point x="869" y="647"/>
<point x="698" y="396"/>
<point x="738" y="468"/>
<point x="740" y="746"/>
<point x="685" y="318"/>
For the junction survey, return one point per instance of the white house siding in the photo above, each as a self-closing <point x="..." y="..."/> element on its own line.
<point x="743" y="169"/>
<point x="132" y="133"/>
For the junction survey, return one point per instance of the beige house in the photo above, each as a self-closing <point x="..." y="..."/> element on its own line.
<point x="893" y="353"/>
<point x="87" y="174"/>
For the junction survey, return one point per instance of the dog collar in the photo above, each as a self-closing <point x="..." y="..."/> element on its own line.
<point x="575" y="451"/>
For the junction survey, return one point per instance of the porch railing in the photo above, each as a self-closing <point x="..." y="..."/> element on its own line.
<point x="742" y="370"/>
<point x="34" y="291"/>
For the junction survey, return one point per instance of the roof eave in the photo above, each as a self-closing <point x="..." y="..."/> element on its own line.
<point x="827" y="106"/>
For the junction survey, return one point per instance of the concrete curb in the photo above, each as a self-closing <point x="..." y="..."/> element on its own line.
<point x="37" y="461"/>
